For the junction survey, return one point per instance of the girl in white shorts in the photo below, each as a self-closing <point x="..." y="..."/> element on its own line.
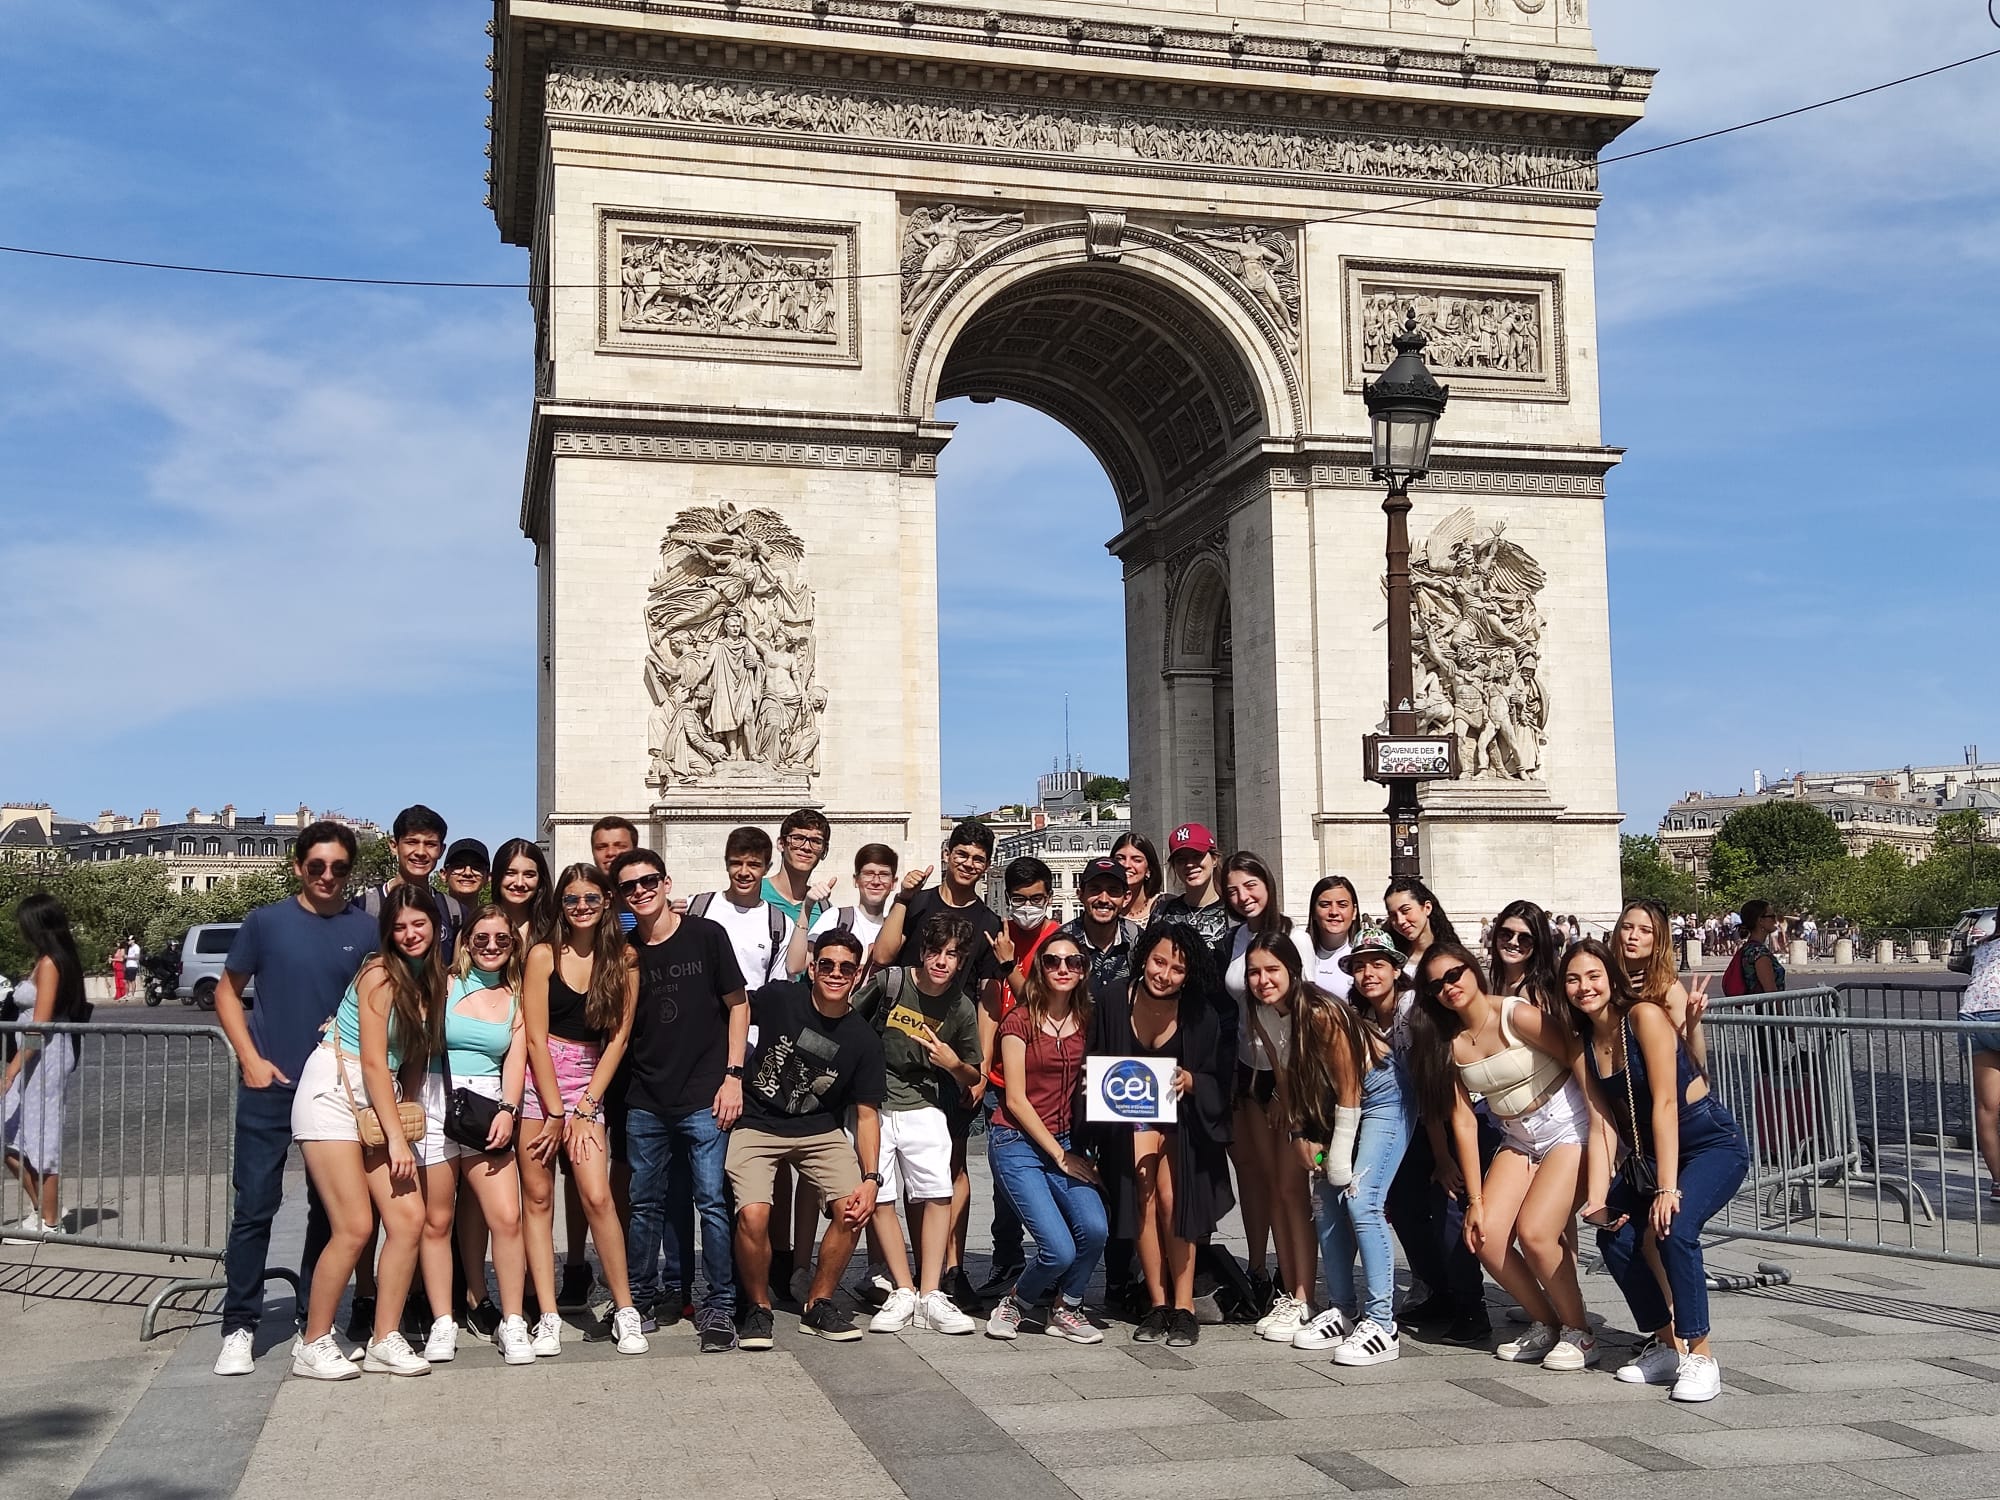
<point x="1518" y="1221"/>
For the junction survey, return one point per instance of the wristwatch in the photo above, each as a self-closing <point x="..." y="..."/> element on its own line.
<point x="874" y="1177"/>
<point x="512" y="1109"/>
<point x="734" y="1070"/>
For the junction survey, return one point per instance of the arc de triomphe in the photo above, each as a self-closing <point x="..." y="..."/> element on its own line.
<point x="768" y="237"/>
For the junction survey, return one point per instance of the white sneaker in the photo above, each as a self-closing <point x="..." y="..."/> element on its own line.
<point x="30" y="1224"/>
<point x="1324" y="1331"/>
<point x="1574" y="1349"/>
<point x="322" y="1360"/>
<point x="1530" y="1347"/>
<point x="896" y="1313"/>
<point x="238" y="1355"/>
<point x="512" y="1337"/>
<point x="392" y="1355"/>
<point x="1369" y="1344"/>
<point x="547" y="1336"/>
<point x="1005" y="1323"/>
<point x="625" y="1328"/>
<point x="1700" y="1379"/>
<point x="1656" y="1364"/>
<point x="1286" y="1317"/>
<point x="940" y="1314"/>
<point x="441" y="1348"/>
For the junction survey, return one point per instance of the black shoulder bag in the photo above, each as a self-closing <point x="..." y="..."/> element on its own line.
<point x="468" y="1116"/>
<point x="1641" y="1175"/>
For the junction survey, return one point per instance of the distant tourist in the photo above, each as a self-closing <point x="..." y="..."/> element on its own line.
<point x="1980" y="1003"/>
<point x="134" y="957"/>
<point x="1755" y="970"/>
<point x="36" y="1081"/>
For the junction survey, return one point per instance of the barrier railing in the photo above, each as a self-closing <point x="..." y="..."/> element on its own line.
<point x="146" y="1119"/>
<point x="1861" y="1127"/>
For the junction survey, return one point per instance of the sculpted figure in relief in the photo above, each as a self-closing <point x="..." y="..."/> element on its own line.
<point x="1470" y="333"/>
<point x="1477" y="634"/>
<point x="1263" y="260"/>
<point x="937" y="241"/>
<point x="696" y="285"/>
<point x="731" y="659"/>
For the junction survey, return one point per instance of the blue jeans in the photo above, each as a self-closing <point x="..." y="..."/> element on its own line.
<point x="1713" y="1163"/>
<point x="1065" y="1216"/>
<point x="263" y="1141"/>
<point x="677" y="1173"/>
<point x="1354" y="1219"/>
<point x="1008" y="1230"/>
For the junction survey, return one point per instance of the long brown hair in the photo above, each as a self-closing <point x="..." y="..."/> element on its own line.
<point x="1272" y="918"/>
<point x="1661" y="972"/>
<point x="1318" y="1016"/>
<point x="1433" y="1027"/>
<point x="610" y="955"/>
<point x="1033" y="995"/>
<point x="416" y="994"/>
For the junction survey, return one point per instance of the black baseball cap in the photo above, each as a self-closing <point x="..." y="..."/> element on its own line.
<point x="465" y="852"/>
<point x="1104" y="868"/>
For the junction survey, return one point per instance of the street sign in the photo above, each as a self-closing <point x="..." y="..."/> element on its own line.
<point x="1409" y="757"/>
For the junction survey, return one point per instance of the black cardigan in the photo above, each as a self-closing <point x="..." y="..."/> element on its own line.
<point x="1207" y="1043"/>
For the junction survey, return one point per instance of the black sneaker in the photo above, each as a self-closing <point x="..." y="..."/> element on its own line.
<point x="1182" y="1329"/>
<point x="1436" y="1308"/>
<point x="1472" y="1328"/>
<point x="754" y="1332"/>
<point x="361" y="1320"/>
<point x="670" y="1308"/>
<point x="484" y="1319"/>
<point x="1153" y="1327"/>
<point x="824" y="1319"/>
<point x="958" y="1286"/>
<point x="575" y="1288"/>
<point x="715" y="1329"/>
<point x="1001" y="1276"/>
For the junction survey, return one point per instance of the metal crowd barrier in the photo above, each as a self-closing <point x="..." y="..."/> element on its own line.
<point x="148" y="1144"/>
<point x="1860" y="1127"/>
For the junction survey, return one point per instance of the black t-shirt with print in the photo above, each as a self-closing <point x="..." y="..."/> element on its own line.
<point x="680" y="1032"/>
<point x="805" y="1072"/>
<point x="979" y="965"/>
<point x="1212" y="921"/>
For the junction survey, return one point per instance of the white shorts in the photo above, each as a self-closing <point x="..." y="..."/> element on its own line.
<point x="434" y="1150"/>
<point x="320" y="1111"/>
<point x="1560" y="1121"/>
<point x="916" y="1155"/>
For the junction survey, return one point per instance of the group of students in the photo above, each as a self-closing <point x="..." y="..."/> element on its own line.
<point x="783" y="1070"/>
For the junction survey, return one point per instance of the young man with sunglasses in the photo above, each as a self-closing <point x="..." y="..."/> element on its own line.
<point x="689" y="1036"/>
<point x="930" y="1047"/>
<point x="815" y="1061"/>
<point x="302" y="952"/>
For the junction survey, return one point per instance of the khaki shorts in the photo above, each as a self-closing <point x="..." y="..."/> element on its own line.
<point x="826" y="1161"/>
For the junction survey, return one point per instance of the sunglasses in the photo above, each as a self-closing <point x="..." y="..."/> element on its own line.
<point x="1449" y="976"/>
<point x="1514" y="937"/>
<point x="1074" y="961"/>
<point x="640" y="883"/>
<point x="837" y="968"/>
<point x="488" y="942"/>
<point x="319" y="869"/>
<point x="588" y="902"/>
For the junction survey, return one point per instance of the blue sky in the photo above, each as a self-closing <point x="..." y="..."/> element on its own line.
<point x="258" y="542"/>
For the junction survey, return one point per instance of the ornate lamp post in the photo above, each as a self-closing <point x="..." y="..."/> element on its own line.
<point x="1403" y="409"/>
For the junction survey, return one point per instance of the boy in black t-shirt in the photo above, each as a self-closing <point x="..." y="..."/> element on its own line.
<point x="815" y="1059"/>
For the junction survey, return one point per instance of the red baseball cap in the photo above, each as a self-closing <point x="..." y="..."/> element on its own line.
<point x="1193" y="836"/>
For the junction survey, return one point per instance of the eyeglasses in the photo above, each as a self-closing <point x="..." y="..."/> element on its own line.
<point x="640" y="883"/>
<point x="319" y="869"/>
<point x="587" y="901"/>
<point x="805" y="841"/>
<point x="1515" y="937"/>
<point x="1074" y="961"/>
<point x="488" y="942"/>
<point x="836" y="968"/>
<point x="1449" y="976"/>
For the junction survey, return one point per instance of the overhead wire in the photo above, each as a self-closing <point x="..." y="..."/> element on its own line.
<point x="1455" y="194"/>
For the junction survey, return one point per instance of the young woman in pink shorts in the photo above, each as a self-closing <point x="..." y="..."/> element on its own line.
<point x="577" y="997"/>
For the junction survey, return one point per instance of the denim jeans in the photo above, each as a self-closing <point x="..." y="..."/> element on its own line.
<point x="1353" y="1219"/>
<point x="1713" y="1163"/>
<point x="677" y="1173"/>
<point x="263" y="1141"/>
<point x="1430" y="1224"/>
<point x="1065" y="1216"/>
<point x="1008" y="1231"/>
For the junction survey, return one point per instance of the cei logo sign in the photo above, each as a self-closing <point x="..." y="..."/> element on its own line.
<point x="1130" y="1090"/>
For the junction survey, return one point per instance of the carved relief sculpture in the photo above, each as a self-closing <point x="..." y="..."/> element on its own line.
<point x="731" y="665"/>
<point x="1079" y="134"/>
<point x="937" y="241"/>
<point x="1477" y="637"/>
<point x="1263" y="259"/>
<point x="1470" y="333"/>
<point x="725" y="287"/>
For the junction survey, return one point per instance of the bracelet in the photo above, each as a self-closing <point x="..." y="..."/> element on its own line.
<point x="1666" y="1192"/>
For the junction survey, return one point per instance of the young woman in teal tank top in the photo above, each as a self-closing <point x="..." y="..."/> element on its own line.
<point x="487" y="1048"/>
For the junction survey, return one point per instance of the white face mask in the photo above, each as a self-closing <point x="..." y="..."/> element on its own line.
<point x="1023" y="914"/>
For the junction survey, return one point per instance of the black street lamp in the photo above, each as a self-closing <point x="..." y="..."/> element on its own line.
<point x="1404" y="405"/>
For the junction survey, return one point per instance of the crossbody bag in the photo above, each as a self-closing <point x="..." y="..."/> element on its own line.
<point x="367" y="1123"/>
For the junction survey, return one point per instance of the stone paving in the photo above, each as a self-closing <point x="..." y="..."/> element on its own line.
<point x="1865" y="1377"/>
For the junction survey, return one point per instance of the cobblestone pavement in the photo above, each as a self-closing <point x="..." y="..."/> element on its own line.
<point x="1866" y="1376"/>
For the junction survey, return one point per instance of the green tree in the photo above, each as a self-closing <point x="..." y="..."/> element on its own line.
<point x="1782" y="837"/>
<point x="1645" y="874"/>
<point x="1107" y="789"/>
